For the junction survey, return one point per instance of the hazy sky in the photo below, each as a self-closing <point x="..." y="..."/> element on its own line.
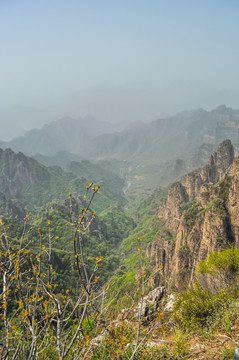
<point x="117" y="60"/>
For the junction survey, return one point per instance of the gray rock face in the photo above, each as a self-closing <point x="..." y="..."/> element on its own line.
<point x="224" y="157"/>
<point x="216" y="167"/>
<point x="170" y="303"/>
<point x="150" y="302"/>
<point x="201" y="221"/>
<point x="171" y="208"/>
<point x="145" y="308"/>
<point x="236" y="355"/>
<point x="17" y="170"/>
<point x="191" y="184"/>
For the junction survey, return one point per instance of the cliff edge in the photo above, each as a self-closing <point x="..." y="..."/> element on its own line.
<point x="200" y="216"/>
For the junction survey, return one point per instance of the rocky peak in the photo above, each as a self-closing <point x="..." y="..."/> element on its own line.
<point x="222" y="158"/>
<point x="18" y="170"/>
<point x="190" y="186"/>
<point x="216" y="167"/>
<point x="170" y="210"/>
<point x="201" y="216"/>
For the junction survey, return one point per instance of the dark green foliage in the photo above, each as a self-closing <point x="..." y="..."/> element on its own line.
<point x="221" y="191"/>
<point x="188" y="205"/>
<point x="103" y="238"/>
<point x="15" y="227"/>
<point x="221" y="242"/>
<point x="63" y="264"/>
<point x="118" y="223"/>
<point x="197" y="308"/>
<point x="206" y="195"/>
<point x="218" y="206"/>
<point x="221" y="195"/>
<point x="222" y="188"/>
<point x="190" y="215"/>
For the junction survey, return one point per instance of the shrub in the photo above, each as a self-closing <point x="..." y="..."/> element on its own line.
<point x="198" y="308"/>
<point x="224" y="266"/>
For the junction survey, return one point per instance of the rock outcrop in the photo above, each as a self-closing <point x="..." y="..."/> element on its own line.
<point x="216" y="167"/>
<point x="191" y="184"/>
<point x="146" y="307"/>
<point x="12" y="208"/>
<point x="201" y="216"/>
<point x="18" y="171"/>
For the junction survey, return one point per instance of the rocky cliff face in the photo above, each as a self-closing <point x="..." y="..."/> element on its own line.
<point x="201" y="216"/>
<point x="191" y="184"/>
<point x="212" y="172"/>
<point x="17" y="171"/>
<point x="12" y="208"/>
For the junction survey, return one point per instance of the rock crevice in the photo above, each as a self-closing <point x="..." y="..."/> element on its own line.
<point x="201" y="216"/>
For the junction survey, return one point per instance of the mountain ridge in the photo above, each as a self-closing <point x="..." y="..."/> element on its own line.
<point x="147" y="154"/>
<point x="200" y="216"/>
<point x="63" y="134"/>
<point x="24" y="179"/>
<point x="91" y="138"/>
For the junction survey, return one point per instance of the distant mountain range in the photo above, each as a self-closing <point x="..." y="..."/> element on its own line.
<point x="146" y="155"/>
<point x="163" y="139"/>
<point x="174" y="137"/>
<point x="71" y="135"/>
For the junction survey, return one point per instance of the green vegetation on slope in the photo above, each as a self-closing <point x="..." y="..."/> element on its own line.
<point x="148" y="225"/>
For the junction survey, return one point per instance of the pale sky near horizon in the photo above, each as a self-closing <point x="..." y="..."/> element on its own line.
<point x="119" y="59"/>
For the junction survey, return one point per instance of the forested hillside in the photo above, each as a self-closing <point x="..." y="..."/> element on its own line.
<point x="91" y="269"/>
<point x="24" y="179"/>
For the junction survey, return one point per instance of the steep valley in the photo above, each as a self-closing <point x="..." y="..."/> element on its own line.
<point x="146" y="154"/>
<point x="149" y="240"/>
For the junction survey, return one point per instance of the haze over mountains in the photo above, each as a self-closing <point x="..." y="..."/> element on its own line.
<point x="32" y="184"/>
<point x="145" y="155"/>
<point x="65" y="134"/>
<point x="119" y="179"/>
<point x="162" y="138"/>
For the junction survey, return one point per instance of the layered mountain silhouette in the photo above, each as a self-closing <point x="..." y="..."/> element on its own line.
<point x="66" y="134"/>
<point x="146" y="154"/>
<point x="163" y="139"/>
